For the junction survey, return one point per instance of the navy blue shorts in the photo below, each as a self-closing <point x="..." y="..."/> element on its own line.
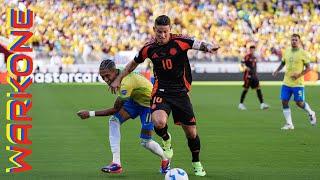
<point x="134" y="110"/>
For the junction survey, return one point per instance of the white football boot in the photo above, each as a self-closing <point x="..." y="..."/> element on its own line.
<point x="242" y="107"/>
<point x="288" y="127"/>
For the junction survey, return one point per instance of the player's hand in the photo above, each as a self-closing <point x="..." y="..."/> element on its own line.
<point x="83" y="114"/>
<point x="213" y="49"/>
<point x="115" y="85"/>
<point x="275" y="73"/>
<point x="295" y="76"/>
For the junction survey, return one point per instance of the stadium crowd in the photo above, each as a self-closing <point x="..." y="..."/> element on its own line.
<point x="86" y="30"/>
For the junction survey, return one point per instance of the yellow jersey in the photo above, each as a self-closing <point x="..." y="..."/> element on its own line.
<point x="295" y="60"/>
<point x="137" y="88"/>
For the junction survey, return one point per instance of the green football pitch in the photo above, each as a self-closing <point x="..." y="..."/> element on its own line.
<point x="234" y="144"/>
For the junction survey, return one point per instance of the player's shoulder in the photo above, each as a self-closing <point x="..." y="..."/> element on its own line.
<point x="137" y="79"/>
<point x="137" y="76"/>
<point x="131" y="77"/>
<point x="181" y="36"/>
<point x="304" y="52"/>
<point x="149" y="42"/>
<point x="287" y="51"/>
<point x="247" y="56"/>
<point x="126" y="81"/>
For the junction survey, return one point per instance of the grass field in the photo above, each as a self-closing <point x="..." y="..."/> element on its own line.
<point x="235" y="144"/>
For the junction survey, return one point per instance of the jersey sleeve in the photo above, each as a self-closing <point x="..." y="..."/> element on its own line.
<point x="125" y="90"/>
<point x="306" y="57"/>
<point x="185" y="42"/>
<point x="142" y="55"/>
<point x="245" y="58"/>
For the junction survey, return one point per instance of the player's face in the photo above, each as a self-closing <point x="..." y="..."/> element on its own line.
<point x="252" y="50"/>
<point x="162" y="33"/>
<point x="108" y="75"/>
<point x="294" y="41"/>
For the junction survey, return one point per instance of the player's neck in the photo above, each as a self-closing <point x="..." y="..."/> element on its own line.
<point x="294" y="48"/>
<point x="161" y="44"/>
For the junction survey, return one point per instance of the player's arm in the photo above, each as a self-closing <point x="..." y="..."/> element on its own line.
<point x="205" y="46"/>
<point x="305" y="71"/>
<point x="115" y="85"/>
<point x="85" y="114"/>
<point x="275" y="73"/>
<point x="132" y="65"/>
<point x="243" y="64"/>
<point x="306" y="62"/>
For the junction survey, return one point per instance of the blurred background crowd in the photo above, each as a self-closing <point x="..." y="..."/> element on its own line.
<point x="82" y="31"/>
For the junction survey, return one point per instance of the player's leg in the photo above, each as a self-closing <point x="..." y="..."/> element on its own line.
<point x="160" y="112"/>
<point x="243" y="94"/>
<point x="299" y="98"/>
<point x="286" y="93"/>
<point x="255" y="84"/>
<point x="194" y="146"/>
<point x="148" y="143"/>
<point x="114" y="139"/>
<point x="182" y="113"/>
<point x="128" y="110"/>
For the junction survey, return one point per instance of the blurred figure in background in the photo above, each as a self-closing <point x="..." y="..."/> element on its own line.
<point x="250" y="78"/>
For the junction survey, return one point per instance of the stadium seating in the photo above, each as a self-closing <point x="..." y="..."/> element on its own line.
<point x="75" y="31"/>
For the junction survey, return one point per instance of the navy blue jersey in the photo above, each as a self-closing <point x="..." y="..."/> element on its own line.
<point x="171" y="65"/>
<point x="251" y="62"/>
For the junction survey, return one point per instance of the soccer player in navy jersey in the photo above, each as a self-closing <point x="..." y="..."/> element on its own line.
<point x="168" y="53"/>
<point x="250" y="78"/>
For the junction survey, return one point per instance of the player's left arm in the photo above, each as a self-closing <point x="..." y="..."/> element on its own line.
<point x="305" y="71"/>
<point x="115" y="85"/>
<point x="243" y="64"/>
<point x="85" y="114"/>
<point x="306" y="61"/>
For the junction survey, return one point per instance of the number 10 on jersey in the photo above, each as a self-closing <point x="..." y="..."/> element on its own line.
<point x="167" y="64"/>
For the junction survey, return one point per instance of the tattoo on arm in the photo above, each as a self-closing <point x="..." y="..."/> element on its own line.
<point x="207" y="47"/>
<point x="203" y="46"/>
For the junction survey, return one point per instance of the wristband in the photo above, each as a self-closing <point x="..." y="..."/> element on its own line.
<point x="92" y="113"/>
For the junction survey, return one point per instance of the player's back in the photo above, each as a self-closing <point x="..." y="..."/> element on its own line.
<point x="136" y="87"/>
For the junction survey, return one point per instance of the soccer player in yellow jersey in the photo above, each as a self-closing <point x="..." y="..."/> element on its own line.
<point x="133" y="100"/>
<point x="294" y="59"/>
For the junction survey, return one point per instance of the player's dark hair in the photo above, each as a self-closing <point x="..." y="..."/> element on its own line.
<point x="252" y="46"/>
<point x="107" y="64"/>
<point x="162" y="20"/>
<point x="296" y="35"/>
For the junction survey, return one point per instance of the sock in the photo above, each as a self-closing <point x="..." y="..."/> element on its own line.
<point x="307" y="108"/>
<point x="260" y="96"/>
<point x="154" y="147"/>
<point x="243" y="95"/>
<point x="287" y="115"/>
<point x="114" y="139"/>
<point x="194" y="146"/>
<point x="163" y="133"/>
